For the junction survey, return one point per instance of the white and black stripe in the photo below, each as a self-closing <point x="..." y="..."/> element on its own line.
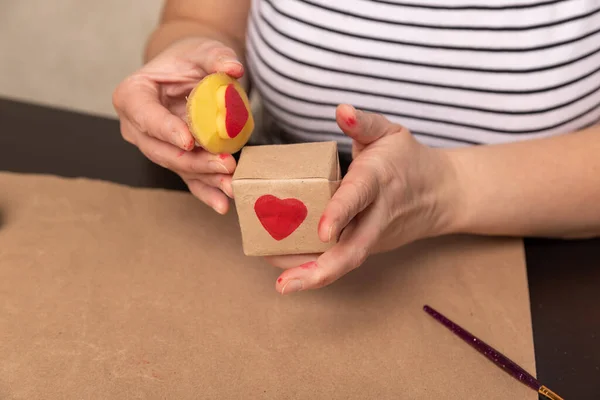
<point x="454" y="72"/>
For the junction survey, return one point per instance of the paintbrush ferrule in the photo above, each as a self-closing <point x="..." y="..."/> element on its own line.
<point x="549" y="393"/>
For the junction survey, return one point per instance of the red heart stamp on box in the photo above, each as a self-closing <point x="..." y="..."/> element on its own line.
<point x="280" y="217"/>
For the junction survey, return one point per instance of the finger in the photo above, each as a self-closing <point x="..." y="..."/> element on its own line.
<point x="200" y="161"/>
<point x="219" y="181"/>
<point x="290" y="261"/>
<point x="349" y="253"/>
<point x="187" y="163"/>
<point x="357" y="191"/>
<point x="363" y="127"/>
<point x="179" y="108"/>
<point x="129" y="132"/>
<point x="214" y="56"/>
<point x="137" y="100"/>
<point x="209" y="195"/>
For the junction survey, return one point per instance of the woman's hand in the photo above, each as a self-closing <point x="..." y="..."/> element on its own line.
<point x="151" y="105"/>
<point x="396" y="191"/>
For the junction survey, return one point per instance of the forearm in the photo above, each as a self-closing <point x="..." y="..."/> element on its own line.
<point x="175" y="30"/>
<point x="222" y="20"/>
<point x="545" y="187"/>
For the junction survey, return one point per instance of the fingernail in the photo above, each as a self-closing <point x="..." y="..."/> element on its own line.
<point x="331" y="230"/>
<point x="218" y="167"/>
<point x="351" y="121"/>
<point x="231" y="61"/>
<point x="320" y="228"/>
<point x="191" y="144"/>
<point x="180" y="141"/>
<point x="356" y="114"/>
<point x="219" y="208"/>
<point x="226" y="188"/>
<point x="292" y="286"/>
<point x="321" y="222"/>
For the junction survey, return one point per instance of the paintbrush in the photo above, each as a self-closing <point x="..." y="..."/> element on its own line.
<point x="495" y="356"/>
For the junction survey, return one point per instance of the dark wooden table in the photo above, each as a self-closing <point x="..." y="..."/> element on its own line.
<point x="564" y="276"/>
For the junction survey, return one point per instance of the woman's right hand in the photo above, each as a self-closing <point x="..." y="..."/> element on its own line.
<point x="151" y="105"/>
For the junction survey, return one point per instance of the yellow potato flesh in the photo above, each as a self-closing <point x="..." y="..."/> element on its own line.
<point x="206" y="115"/>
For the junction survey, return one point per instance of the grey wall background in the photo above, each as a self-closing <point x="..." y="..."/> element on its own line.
<point x="72" y="53"/>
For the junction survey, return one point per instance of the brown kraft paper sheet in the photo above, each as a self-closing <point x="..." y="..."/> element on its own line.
<point x="108" y="292"/>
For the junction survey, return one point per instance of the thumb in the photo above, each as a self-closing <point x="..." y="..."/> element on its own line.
<point x="363" y="127"/>
<point x="197" y="55"/>
<point x="214" y="56"/>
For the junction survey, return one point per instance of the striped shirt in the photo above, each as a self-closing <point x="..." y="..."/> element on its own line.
<point x="455" y="72"/>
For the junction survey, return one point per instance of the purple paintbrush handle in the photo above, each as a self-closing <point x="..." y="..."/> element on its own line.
<point x="495" y="356"/>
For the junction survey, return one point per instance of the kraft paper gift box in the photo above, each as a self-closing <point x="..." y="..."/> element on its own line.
<point x="280" y="194"/>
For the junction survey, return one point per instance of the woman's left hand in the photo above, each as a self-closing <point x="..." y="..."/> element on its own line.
<point x="396" y="191"/>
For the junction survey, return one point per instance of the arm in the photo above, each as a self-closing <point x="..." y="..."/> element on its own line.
<point x="195" y="38"/>
<point x="403" y="191"/>
<point x="544" y="187"/>
<point x="222" y="20"/>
